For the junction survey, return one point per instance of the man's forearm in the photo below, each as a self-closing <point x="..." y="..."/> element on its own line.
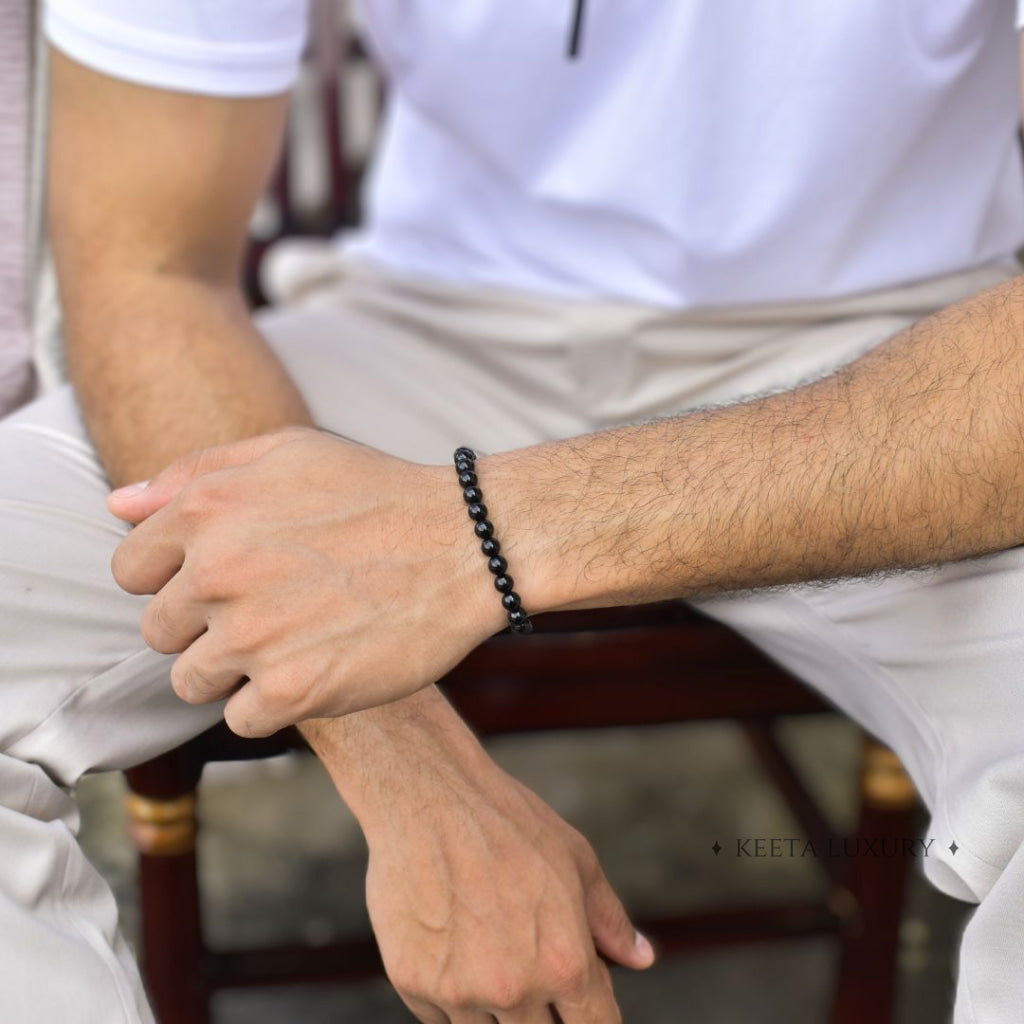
<point x="166" y="364"/>
<point x="375" y="756"/>
<point x="148" y="400"/>
<point x="912" y="455"/>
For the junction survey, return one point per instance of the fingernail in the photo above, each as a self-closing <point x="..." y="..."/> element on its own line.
<point x="130" y="490"/>
<point x="644" y="948"/>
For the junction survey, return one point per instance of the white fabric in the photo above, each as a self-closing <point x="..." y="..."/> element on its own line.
<point x="223" y="48"/>
<point x="931" y="662"/>
<point x="16" y="378"/>
<point x="693" y="155"/>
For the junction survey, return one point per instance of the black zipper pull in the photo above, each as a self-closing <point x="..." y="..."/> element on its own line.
<point x="575" y="30"/>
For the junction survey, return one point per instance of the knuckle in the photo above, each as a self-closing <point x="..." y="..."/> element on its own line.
<point x="246" y="628"/>
<point x="452" y="992"/>
<point x="505" y="992"/>
<point x="580" y="845"/>
<point x="407" y="978"/>
<point x="198" y="501"/>
<point x="190" y="682"/>
<point x="190" y="464"/>
<point x="567" y="968"/>
<point x="180" y="680"/>
<point x="239" y="723"/>
<point x="284" y="687"/>
<point x="209" y="577"/>
<point x="158" y="628"/>
<point x="120" y="566"/>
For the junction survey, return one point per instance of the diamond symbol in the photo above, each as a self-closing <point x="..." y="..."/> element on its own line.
<point x="953" y="847"/>
<point x="716" y="848"/>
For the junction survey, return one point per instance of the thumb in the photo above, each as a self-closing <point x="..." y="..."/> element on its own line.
<point x="614" y="934"/>
<point x="138" y="501"/>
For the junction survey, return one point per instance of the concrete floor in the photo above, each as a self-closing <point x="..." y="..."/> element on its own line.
<point x="283" y="859"/>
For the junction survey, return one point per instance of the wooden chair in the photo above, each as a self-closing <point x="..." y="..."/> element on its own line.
<point x="589" y="670"/>
<point x="635" y="666"/>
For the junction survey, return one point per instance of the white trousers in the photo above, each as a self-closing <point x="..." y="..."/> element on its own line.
<point x="928" y="661"/>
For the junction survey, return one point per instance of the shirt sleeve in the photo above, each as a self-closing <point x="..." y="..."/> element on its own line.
<point x="215" y="47"/>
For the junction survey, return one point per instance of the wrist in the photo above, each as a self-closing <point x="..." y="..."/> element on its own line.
<point x="597" y="521"/>
<point x="384" y="762"/>
<point x="538" y="509"/>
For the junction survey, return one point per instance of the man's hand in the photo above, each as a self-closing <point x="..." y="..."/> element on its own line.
<point x="332" y="577"/>
<point x="497" y="913"/>
<point x="324" y="576"/>
<point x="486" y="905"/>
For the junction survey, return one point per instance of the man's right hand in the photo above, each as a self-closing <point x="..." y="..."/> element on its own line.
<point x="485" y="903"/>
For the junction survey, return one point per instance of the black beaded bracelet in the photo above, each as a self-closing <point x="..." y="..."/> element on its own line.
<point x="465" y="466"/>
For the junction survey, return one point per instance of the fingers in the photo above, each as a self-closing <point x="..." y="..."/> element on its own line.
<point x="596" y="1003"/>
<point x="248" y="714"/>
<point x="535" y="1014"/>
<point x="528" y="1015"/>
<point x="151" y="553"/>
<point x="173" y="619"/>
<point x="136" y="502"/>
<point x="203" y="674"/>
<point x="147" y="558"/>
<point x="614" y="934"/>
<point x="423" y="1011"/>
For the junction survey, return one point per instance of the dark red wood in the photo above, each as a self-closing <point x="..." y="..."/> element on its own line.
<point x="169" y="776"/>
<point x="639" y="676"/>
<point x="866" y="985"/>
<point x="358" y="959"/>
<point x="172" y="942"/>
<point x="687" y="933"/>
<point x="353" y="960"/>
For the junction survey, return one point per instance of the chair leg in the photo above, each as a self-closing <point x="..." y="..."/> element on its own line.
<point x="866" y="985"/>
<point x="164" y="832"/>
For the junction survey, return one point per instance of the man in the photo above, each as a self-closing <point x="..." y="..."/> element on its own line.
<point x="689" y="207"/>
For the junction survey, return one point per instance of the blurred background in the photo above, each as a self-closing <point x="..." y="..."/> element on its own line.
<point x="282" y="860"/>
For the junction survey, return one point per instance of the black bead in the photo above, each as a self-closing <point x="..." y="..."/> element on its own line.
<point x="504" y="583"/>
<point x="490" y="546"/>
<point x="511" y="601"/>
<point x="471" y="494"/>
<point x="463" y="454"/>
<point x="497" y="565"/>
<point x="519" y="621"/>
<point x="467" y="479"/>
<point x="464" y="466"/>
<point x="483" y="529"/>
<point x="477" y="511"/>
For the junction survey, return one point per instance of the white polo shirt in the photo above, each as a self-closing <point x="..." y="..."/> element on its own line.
<point x="691" y="154"/>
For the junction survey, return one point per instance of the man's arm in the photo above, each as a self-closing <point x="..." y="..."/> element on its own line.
<point x="914" y="454"/>
<point x="150" y="195"/>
